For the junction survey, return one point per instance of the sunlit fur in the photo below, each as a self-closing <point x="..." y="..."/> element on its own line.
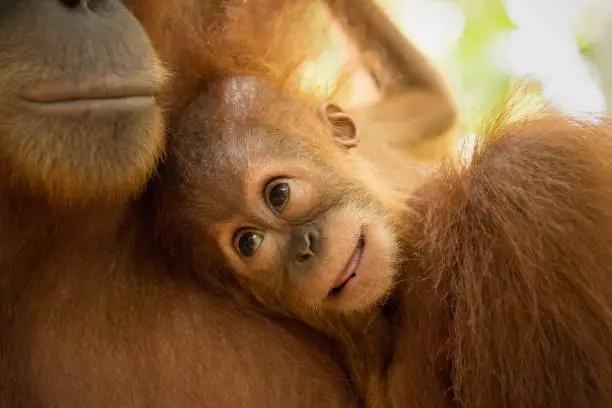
<point x="269" y="38"/>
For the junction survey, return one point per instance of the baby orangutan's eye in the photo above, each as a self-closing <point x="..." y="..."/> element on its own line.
<point x="247" y="242"/>
<point x="277" y="195"/>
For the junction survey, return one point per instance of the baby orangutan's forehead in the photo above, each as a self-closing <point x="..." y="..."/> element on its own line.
<point x="250" y="144"/>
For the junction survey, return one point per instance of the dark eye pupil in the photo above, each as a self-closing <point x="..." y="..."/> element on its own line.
<point x="279" y="195"/>
<point x="249" y="242"/>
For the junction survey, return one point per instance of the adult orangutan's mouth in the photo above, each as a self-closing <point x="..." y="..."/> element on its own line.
<point x="100" y="96"/>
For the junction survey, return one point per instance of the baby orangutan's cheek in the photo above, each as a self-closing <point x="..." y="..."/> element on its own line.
<point x="355" y="269"/>
<point x="375" y="274"/>
<point x="264" y="273"/>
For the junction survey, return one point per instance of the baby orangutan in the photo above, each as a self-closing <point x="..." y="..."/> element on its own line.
<point x="287" y="211"/>
<point x="283" y="193"/>
<point x="490" y="286"/>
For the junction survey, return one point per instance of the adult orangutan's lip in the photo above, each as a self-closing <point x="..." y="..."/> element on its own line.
<point x="101" y="96"/>
<point x="99" y="88"/>
<point x="350" y="269"/>
<point x="97" y="106"/>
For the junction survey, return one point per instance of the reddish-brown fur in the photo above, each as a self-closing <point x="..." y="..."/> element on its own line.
<point x="91" y="314"/>
<point x="509" y="283"/>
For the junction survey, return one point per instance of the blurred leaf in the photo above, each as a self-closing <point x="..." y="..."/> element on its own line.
<point x="483" y="84"/>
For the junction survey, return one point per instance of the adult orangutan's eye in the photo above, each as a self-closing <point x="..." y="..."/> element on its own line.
<point x="247" y="242"/>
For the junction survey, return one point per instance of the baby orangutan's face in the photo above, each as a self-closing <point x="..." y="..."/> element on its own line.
<point x="306" y="229"/>
<point x="286" y="198"/>
<point x="301" y="247"/>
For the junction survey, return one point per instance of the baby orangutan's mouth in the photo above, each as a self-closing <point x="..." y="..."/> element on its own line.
<point x="350" y="269"/>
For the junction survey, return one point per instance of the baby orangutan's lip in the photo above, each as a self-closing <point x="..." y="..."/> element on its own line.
<point x="350" y="269"/>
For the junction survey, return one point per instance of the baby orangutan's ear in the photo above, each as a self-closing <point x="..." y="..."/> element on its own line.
<point x="344" y="127"/>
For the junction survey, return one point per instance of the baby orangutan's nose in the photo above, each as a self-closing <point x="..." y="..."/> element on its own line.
<point x="304" y="243"/>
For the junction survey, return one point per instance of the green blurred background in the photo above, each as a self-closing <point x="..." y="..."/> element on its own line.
<point x="485" y="46"/>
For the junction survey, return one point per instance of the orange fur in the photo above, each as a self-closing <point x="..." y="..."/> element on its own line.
<point x="204" y="41"/>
